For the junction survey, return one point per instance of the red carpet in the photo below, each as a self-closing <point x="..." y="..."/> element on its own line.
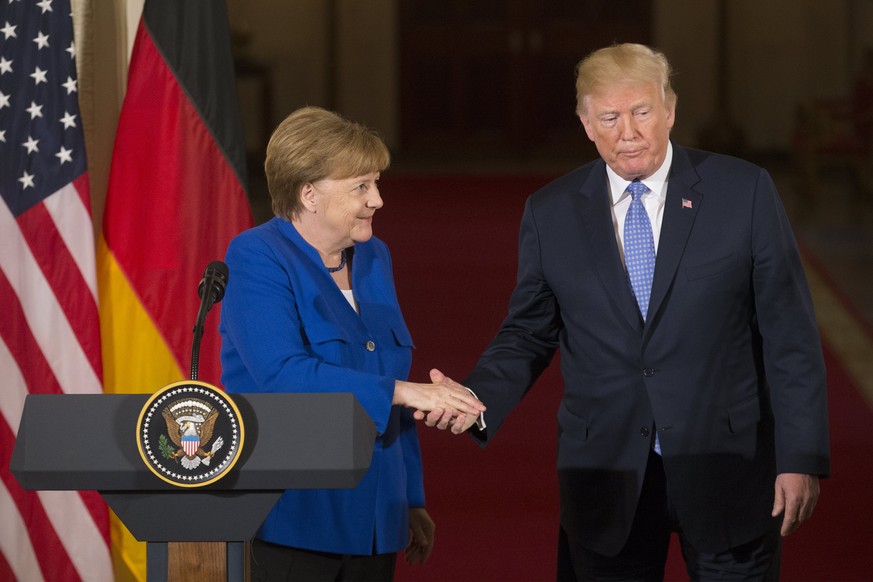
<point x="453" y="240"/>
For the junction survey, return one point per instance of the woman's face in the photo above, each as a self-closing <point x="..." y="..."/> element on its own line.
<point x="345" y="208"/>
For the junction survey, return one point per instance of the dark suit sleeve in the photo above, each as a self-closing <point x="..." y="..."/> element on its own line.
<point x="527" y="339"/>
<point x="791" y="346"/>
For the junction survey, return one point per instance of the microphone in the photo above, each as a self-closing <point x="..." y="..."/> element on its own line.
<point x="215" y="280"/>
<point x="211" y="291"/>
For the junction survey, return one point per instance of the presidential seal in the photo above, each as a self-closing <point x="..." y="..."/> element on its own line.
<point x="190" y="433"/>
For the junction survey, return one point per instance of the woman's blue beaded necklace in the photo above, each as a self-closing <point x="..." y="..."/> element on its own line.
<point x="341" y="265"/>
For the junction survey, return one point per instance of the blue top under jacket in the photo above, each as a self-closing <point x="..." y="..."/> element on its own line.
<point x="286" y="327"/>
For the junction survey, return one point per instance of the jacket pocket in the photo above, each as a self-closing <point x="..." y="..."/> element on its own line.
<point x="572" y="425"/>
<point x="321" y="332"/>
<point x="328" y="342"/>
<point x="402" y="337"/>
<point x="743" y="415"/>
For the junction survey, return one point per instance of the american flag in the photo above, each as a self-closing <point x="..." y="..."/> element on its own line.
<point x="49" y="329"/>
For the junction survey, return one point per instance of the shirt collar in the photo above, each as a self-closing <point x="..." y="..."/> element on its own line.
<point x="656" y="182"/>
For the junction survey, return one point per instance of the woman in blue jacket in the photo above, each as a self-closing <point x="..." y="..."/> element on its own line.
<point x="312" y="308"/>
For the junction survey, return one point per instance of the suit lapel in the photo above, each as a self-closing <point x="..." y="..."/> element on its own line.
<point x="680" y="210"/>
<point x="595" y="214"/>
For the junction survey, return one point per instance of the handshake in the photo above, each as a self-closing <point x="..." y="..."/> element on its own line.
<point x="442" y="404"/>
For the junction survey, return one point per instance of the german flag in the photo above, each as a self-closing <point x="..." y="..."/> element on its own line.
<point x="177" y="195"/>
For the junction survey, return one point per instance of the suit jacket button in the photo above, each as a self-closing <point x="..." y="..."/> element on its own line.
<point x="644" y="431"/>
<point x="370" y="345"/>
<point x="648" y="372"/>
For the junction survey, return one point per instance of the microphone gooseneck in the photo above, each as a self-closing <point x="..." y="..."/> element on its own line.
<point x="211" y="291"/>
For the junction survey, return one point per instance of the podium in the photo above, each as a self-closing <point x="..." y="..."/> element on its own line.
<point x="292" y="441"/>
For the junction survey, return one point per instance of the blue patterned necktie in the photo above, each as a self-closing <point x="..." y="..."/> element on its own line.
<point x="639" y="255"/>
<point x="639" y="247"/>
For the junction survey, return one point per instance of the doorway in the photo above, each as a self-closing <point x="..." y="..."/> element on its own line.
<point x="496" y="78"/>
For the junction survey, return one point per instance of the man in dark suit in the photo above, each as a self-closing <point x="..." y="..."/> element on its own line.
<point x="694" y="385"/>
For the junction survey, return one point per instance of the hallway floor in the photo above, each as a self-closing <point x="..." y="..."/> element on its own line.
<point x="835" y="230"/>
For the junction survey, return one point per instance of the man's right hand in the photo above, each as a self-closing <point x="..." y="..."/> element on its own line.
<point x="443" y="418"/>
<point x="444" y="395"/>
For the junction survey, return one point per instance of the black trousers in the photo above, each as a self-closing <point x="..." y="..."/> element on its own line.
<point x="273" y="562"/>
<point x="644" y="555"/>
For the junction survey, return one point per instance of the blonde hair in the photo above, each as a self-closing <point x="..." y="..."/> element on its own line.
<point x="312" y="144"/>
<point x="621" y="64"/>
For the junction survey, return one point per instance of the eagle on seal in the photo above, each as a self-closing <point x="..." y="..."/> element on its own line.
<point x="190" y="434"/>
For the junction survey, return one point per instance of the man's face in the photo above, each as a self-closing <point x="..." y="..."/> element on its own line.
<point x="630" y="126"/>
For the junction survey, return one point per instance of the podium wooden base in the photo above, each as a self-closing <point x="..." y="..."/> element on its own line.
<point x="197" y="562"/>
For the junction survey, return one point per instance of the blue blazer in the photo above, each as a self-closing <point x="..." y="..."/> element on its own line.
<point x="286" y="327"/>
<point x="728" y="366"/>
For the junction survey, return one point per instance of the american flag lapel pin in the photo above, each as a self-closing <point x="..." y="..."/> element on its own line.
<point x="686" y="203"/>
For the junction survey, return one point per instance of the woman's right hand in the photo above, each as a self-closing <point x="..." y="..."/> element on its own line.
<point x="446" y="395"/>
